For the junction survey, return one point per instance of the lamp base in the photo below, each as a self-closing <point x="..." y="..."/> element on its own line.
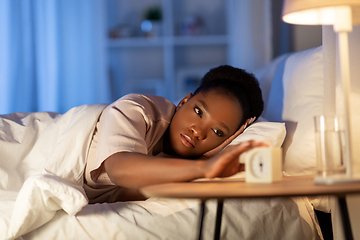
<point x="336" y="179"/>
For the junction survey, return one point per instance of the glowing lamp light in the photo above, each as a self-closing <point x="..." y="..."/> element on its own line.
<point x="343" y="15"/>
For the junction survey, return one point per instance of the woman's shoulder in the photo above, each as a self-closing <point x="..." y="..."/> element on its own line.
<point x="144" y="100"/>
<point x="148" y="104"/>
<point x="136" y="97"/>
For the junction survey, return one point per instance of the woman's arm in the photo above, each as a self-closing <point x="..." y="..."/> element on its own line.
<point x="135" y="170"/>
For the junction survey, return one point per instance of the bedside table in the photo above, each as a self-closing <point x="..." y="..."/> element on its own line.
<point x="221" y="189"/>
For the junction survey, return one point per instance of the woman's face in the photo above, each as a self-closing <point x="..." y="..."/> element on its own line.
<point x="202" y="122"/>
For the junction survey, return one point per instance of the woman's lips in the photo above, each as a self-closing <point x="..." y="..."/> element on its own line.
<point x="187" y="141"/>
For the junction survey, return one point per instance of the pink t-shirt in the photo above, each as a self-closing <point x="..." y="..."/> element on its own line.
<point x="134" y="123"/>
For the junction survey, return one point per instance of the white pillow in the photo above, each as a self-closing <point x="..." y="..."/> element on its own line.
<point x="303" y="99"/>
<point x="266" y="75"/>
<point x="262" y="130"/>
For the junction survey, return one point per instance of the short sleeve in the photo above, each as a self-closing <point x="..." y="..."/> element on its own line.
<point x="134" y="123"/>
<point x="122" y="128"/>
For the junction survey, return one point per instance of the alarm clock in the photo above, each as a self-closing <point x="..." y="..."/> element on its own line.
<point x="262" y="164"/>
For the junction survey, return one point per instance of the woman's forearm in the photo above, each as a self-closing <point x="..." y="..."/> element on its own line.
<point x="135" y="170"/>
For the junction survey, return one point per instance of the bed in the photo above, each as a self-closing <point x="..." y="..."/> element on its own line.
<point x="43" y="155"/>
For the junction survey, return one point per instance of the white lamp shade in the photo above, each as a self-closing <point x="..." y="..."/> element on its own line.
<point x="319" y="12"/>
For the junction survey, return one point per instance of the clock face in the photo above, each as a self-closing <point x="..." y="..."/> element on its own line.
<point x="259" y="166"/>
<point x="263" y="165"/>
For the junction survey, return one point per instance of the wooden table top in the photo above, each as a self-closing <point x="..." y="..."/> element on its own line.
<point x="238" y="188"/>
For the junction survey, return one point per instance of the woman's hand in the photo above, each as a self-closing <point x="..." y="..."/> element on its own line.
<point x="218" y="149"/>
<point x="227" y="162"/>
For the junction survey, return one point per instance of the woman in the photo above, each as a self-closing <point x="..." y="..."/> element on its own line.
<point x="143" y="140"/>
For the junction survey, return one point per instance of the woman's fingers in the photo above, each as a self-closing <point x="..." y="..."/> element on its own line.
<point x="236" y="150"/>
<point x="224" y="163"/>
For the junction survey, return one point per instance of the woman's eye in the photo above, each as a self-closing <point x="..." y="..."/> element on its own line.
<point x="198" y="111"/>
<point x="218" y="132"/>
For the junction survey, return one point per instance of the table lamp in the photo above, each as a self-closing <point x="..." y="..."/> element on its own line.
<point x="343" y="15"/>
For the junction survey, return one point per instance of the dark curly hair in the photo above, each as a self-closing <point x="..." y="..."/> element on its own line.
<point x="238" y="83"/>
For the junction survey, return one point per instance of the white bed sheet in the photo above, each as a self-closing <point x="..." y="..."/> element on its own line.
<point x="275" y="218"/>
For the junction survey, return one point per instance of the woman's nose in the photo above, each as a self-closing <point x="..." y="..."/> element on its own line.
<point x="198" y="132"/>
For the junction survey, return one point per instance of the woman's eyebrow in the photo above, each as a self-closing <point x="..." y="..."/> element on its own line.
<point x="204" y="105"/>
<point x="224" y="126"/>
<point x="220" y="123"/>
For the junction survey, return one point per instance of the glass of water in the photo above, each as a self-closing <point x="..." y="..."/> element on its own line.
<point x="330" y="145"/>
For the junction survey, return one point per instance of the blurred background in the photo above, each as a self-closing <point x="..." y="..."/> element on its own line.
<point x="57" y="54"/>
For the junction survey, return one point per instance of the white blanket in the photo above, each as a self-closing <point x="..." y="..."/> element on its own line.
<point x="42" y="160"/>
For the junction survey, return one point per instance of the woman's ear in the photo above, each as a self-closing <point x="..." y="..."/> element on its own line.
<point x="184" y="100"/>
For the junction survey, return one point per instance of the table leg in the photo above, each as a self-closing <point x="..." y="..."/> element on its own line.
<point x="219" y="211"/>
<point x="345" y="218"/>
<point x="201" y="220"/>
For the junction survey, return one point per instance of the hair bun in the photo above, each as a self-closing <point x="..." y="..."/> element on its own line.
<point x="245" y="81"/>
